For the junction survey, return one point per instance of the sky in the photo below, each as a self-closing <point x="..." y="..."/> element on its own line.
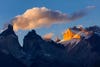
<point x="12" y="8"/>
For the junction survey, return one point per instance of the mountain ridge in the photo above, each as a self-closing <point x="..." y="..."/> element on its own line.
<point x="37" y="52"/>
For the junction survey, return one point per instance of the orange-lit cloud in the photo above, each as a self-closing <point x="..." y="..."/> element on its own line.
<point x="48" y="36"/>
<point x="40" y="17"/>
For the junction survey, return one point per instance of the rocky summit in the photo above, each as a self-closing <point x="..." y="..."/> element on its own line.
<point x="37" y="52"/>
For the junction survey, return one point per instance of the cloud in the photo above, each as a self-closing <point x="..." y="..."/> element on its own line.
<point x="43" y="17"/>
<point x="81" y="13"/>
<point x="48" y="36"/>
<point x="91" y="7"/>
<point x="37" y="17"/>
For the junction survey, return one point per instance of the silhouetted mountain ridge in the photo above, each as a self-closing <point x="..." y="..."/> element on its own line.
<point x="37" y="52"/>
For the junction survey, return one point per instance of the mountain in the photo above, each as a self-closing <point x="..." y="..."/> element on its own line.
<point x="9" y="45"/>
<point x="85" y="50"/>
<point x="95" y="29"/>
<point x="9" y="41"/>
<point x="44" y="53"/>
<point x="38" y="52"/>
<point x="10" y="49"/>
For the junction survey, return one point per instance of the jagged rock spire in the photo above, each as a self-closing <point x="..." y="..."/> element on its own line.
<point x="10" y="27"/>
<point x="8" y="31"/>
<point x="31" y="33"/>
<point x="31" y="40"/>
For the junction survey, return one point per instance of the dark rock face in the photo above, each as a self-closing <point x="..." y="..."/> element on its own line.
<point x="9" y="49"/>
<point x="31" y="42"/>
<point x="9" y="40"/>
<point x="94" y="40"/>
<point x="9" y="45"/>
<point x="94" y="29"/>
<point x="9" y="61"/>
<point x="37" y="52"/>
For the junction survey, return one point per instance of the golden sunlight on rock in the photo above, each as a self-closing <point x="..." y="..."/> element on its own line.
<point x="68" y="35"/>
